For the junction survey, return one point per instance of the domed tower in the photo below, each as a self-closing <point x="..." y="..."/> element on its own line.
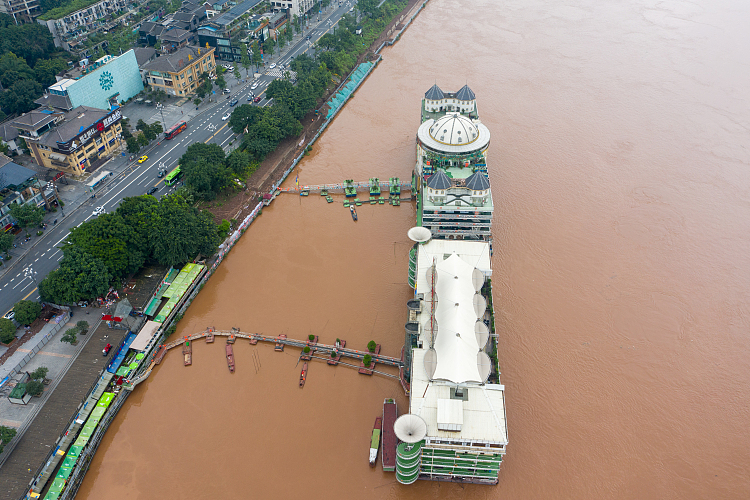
<point x="452" y="150"/>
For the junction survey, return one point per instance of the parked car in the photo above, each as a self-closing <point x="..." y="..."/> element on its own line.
<point x="257" y="99"/>
<point x="226" y="116"/>
<point x="233" y="102"/>
<point x="10" y="315"/>
<point x="227" y="91"/>
<point x="99" y="211"/>
<point x="152" y="190"/>
<point x="142" y="159"/>
<point x="106" y="349"/>
<point x="273" y="65"/>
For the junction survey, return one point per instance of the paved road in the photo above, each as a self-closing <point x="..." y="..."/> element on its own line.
<point x="137" y="179"/>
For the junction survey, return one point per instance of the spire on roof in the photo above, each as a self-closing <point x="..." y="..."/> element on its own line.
<point x="434" y="94"/>
<point x="465" y="94"/>
<point x="438" y="180"/>
<point x="477" y="181"/>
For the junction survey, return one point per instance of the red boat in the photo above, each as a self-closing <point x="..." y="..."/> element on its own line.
<point x="303" y="376"/>
<point x="230" y="358"/>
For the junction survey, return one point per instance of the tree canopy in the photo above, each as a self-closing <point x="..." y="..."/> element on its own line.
<point x="103" y="251"/>
<point x="27" y="214"/>
<point x="27" y="311"/>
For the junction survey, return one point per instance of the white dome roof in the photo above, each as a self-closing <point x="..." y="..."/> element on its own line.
<point x="454" y="129"/>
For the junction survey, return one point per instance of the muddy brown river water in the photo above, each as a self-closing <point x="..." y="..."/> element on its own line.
<point x="619" y="166"/>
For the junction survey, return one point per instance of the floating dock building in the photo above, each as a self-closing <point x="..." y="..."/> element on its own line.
<point x="456" y="427"/>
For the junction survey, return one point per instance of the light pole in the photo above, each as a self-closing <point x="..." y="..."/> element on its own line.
<point x="160" y="107"/>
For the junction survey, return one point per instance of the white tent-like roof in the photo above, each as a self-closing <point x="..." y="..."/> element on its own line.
<point x="145" y="335"/>
<point x="456" y="342"/>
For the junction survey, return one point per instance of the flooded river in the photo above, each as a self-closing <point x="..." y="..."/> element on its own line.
<point x="619" y="162"/>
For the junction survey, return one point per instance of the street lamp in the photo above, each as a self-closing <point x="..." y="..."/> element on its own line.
<point x="160" y="107"/>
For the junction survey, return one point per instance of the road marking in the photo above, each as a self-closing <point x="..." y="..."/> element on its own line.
<point x="19" y="283"/>
<point x="27" y="296"/>
<point x="61" y="239"/>
<point x="36" y="259"/>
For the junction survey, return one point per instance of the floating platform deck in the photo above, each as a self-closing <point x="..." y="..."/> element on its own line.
<point x="389" y="440"/>
<point x="335" y="361"/>
<point x="230" y="357"/>
<point x="368" y="371"/>
<point x="279" y="347"/>
<point x="209" y="336"/>
<point x="160" y="354"/>
<point x="187" y="351"/>
<point x="349" y="188"/>
<point x="311" y="344"/>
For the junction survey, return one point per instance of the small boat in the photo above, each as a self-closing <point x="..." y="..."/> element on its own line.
<point x="230" y="358"/>
<point x="305" y="192"/>
<point x="303" y="375"/>
<point x="390" y="414"/>
<point x="375" y="441"/>
<point x="324" y="192"/>
<point x="354" y="213"/>
<point x="329" y="199"/>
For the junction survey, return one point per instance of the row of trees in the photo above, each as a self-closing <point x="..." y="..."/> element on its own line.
<point x="25" y="312"/>
<point x="101" y="252"/>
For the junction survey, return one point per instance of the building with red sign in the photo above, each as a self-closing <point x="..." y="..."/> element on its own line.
<point x="73" y="141"/>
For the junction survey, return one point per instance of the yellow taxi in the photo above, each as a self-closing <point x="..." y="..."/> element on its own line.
<point x="142" y="159"/>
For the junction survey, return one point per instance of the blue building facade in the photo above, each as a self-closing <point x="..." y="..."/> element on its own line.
<point x="103" y="84"/>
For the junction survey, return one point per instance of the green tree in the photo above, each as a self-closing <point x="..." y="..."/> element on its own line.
<point x="367" y="360"/>
<point x="83" y="326"/>
<point x="245" y="58"/>
<point x="70" y="336"/>
<point x="35" y="388"/>
<point x="223" y="229"/>
<point x="6" y="243"/>
<point x="179" y="231"/>
<point x="143" y="140"/>
<point x="205" y="179"/>
<point x="14" y="69"/>
<point x="20" y="97"/>
<point x="133" y="145"/>
<point x="371" y="346"/>
<point x="157" y="45"/>
<point x="281" y="41"/>
<point x="221" y="82"/>
<point x="237" y="73"/>
<point x="46" y="69"/>
<point x="6" y="433"/>
<point x="79" y="277"/>
<point x="256" y="56"/>
<point x="238" y="162"/>
<point x="27" y="214"/>
<point x="40" y="373"/>
<point x="27" y="311"/>
<point x="268" y="46"/>
<point x="7" y="331"/>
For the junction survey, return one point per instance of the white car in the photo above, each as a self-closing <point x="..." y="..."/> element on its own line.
<point x="10" y="315"/>
<point x="99" y="211"/>
<point x="255" y="86"/>
<point x="273" y="65"/>
<point x="226" y="116"/>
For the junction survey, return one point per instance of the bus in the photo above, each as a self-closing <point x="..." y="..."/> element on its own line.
<point x="169" y="134"/>
<point x="173" y="176"/>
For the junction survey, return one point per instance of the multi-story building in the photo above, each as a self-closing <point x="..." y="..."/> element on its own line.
<point x="21" y="186"/>
<point x="221" y="31"/>
<point x="22" y="11"/>
<point x="178" y="73"/>
<point x="456" y="202"/>
<point x="73" y="141"/>
<point x="103" y="84"/>
<point x="456" y="426"/>
<point x="295" y="7"/>
<point x="69" y="26"/>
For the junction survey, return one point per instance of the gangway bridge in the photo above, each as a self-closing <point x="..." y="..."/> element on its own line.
<point x="340" y="187"/>
<point x="254" y="338"/>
